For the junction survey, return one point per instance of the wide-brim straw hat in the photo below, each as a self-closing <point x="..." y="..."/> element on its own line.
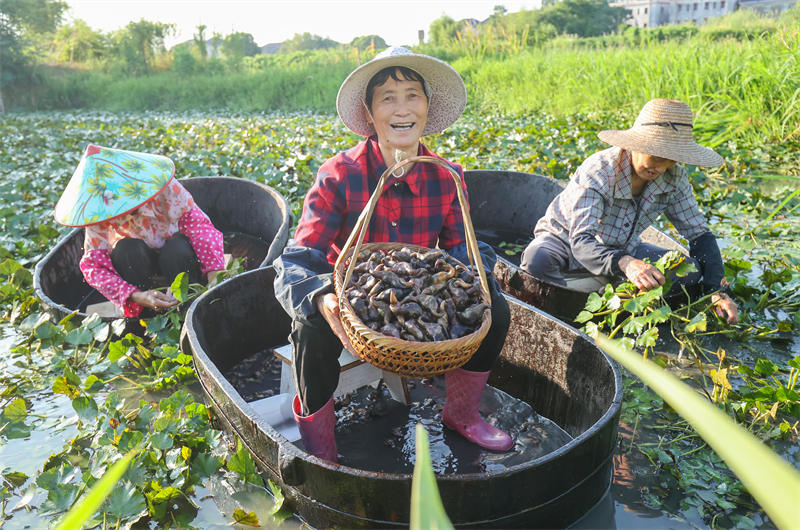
<point x="109" y="183"/>
<point x="447" y="94"/>
<point x="664" y="129"/>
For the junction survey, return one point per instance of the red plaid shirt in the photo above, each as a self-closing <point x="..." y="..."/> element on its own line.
<point x="419" y="208"/>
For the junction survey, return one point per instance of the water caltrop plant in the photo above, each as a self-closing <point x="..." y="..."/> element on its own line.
<point x="123" y="391"/>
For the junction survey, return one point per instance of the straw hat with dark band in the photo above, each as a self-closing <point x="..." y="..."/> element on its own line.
<point x="664" y="129"/>
<point x="447" y="95"/>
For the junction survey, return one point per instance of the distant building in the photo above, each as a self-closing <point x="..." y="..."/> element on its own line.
<point x="652" y="13"/>
<point x="767" y="7"/>
<point x="271" y="48"/>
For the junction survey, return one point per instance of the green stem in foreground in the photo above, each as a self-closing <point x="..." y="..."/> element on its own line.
<point x="770" y="480"/>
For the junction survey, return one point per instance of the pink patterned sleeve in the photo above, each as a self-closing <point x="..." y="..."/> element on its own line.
<point x="205" y="239"/>
<point x="99" y="272"/>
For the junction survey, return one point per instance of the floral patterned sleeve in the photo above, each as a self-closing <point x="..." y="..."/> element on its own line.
<point x="205" y="239"/>
<point x="99" y="272"/>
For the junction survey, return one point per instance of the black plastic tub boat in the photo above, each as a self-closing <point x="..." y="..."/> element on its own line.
<point x="504" y="207"/>
<point x="544" y="363"/>
<point x="253" y="218"/>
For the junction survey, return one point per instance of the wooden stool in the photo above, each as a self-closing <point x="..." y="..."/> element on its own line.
<point x="353" y="374"/>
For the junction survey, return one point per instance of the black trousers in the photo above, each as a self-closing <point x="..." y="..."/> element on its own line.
<point x="146" y="267"/>
<point x="317" y="349"/>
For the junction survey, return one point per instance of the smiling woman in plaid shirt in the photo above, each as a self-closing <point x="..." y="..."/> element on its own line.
<point x="393" y="101"/>
<point x="595" y="223"/>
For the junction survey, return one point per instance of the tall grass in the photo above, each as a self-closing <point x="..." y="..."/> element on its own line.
<point x="739" y="87"/>
<point x="749" y="88"/>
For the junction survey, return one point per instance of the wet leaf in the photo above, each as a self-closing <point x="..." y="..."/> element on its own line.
<point x="277" y="494"/>
<point x="245" y="518"/>
<point x="16" y="411"/>
<point x="79" y="336"/>
<point x="130" y="440"/>
<point x="15" y="478"/>
<point x="161" y="440"/>
<point x="86" y="407"/>
<point x="61" y="386"/>
<point x="765" y="367"/>
<point x="126" y="503"/>
<point x="93" y="384"/>
<point x="205" y="464"/>
<point x="698" y="323"/>
<point x="242" y="463"/>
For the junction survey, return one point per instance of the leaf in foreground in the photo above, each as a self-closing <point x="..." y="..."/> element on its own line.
<point x="770" y="480"/>
<point x="427" y="511"/>
<point x="89" y="504"/>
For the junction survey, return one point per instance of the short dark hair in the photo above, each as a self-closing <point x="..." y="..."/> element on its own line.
<point x="381" y="77"/>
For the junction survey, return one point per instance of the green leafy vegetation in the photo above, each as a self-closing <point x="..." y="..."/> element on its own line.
<point x="771" y="480"/>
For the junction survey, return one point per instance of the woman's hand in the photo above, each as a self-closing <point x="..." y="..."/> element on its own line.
<point x="155" y="300"/>
<point x="641" y="274"/>
<point x="328" y="305"/>
<point x="725" y="307"/>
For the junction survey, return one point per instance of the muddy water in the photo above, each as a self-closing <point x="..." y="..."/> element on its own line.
<point x="377" y="433"/>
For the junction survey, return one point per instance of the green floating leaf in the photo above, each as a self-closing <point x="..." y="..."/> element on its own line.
<point x="161" y="440"/>
<point x="93" y="384"/>
<point x="86" y="407"/>
<point x="242" y="463"/>
<point x="427" y="511"/>
<point x="277" y="494"/>
<point x="79" y="337"/>
<point x="15" y="478"/>
<point x="205" y="464"/>
<point x="16" y="411"/>
<point x="88" y="505"/>
<point x="772" y="481"/>
<point x="245" y="518"/>
<point x="583" y="316"/>
<point x="130" y="440"/>
<point x="125" y="502"/>
<point x="765" y="367"/>
<point x="61" y="386"/>
<point x="164" y="495"/>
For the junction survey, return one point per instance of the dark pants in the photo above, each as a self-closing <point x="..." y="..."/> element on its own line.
<point x="145" y="267"/>
<point x="548" y="258"/>
<point x="317" y="349"/>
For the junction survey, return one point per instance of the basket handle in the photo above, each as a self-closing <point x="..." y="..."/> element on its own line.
<point x="360" y="229"/>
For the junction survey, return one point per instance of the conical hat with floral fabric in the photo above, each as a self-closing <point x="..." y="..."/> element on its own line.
<point x="109" y="183"/>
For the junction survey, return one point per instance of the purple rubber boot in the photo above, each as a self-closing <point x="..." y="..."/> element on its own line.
<point x="460" y="411"/>
<point x="316" y="430"/>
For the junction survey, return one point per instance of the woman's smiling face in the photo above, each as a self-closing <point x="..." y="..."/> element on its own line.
<point x="399" y="109"/>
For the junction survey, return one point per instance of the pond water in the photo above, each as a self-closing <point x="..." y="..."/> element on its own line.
<point x="645" y="491"/>
<point x="622" y="507"/>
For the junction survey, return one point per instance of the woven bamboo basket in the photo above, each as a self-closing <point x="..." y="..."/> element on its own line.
<point x="402" y="357"/>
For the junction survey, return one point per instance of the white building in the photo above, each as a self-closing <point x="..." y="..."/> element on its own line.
<point x="652" y="13"/>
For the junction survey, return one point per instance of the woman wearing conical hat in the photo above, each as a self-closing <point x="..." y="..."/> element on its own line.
<point x="595" y="223"/>
<point x="140" y="224"/>
<point x="392" y="101"/>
